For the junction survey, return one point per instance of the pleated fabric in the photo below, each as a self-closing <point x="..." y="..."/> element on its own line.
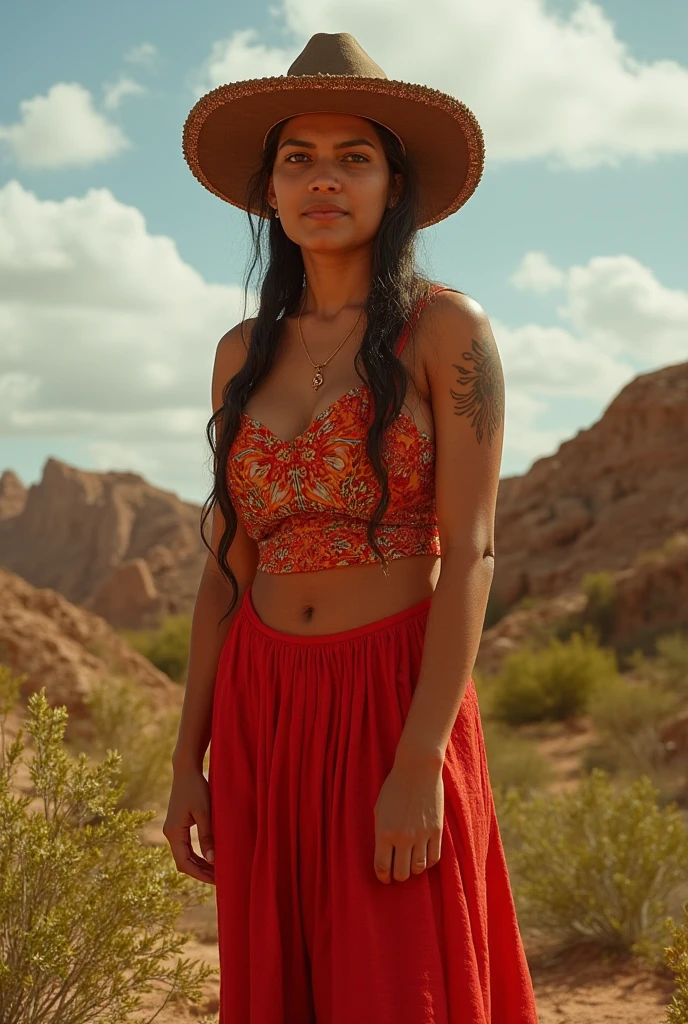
<point x="304" y="733"/>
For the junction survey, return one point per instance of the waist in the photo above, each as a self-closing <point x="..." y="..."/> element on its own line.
<point x="333" y="600"/>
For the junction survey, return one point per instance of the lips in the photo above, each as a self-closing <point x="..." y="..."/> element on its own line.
<point x="325" y="211"/>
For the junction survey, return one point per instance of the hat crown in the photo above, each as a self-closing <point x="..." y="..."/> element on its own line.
<point x="335" y="53"/>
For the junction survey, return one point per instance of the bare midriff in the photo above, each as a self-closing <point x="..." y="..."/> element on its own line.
<point x="333" y="600"/>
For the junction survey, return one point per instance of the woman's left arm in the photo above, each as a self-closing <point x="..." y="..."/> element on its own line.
<point x="467" y="393"/>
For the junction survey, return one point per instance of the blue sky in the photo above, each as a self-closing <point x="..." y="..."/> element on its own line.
<point x="119" y="272"/>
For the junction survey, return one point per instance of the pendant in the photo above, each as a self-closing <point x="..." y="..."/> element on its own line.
<point x="317" y="379"/>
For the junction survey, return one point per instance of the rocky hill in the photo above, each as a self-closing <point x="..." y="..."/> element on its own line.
<point x="110" y="542"/>
<point x="607" y="495"/>
<point x="68" y="650"/>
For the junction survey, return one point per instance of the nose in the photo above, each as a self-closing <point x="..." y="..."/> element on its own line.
<point x="324" y="181"/>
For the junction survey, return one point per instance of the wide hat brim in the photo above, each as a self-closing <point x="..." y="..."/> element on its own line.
<point x="223" y="135"/>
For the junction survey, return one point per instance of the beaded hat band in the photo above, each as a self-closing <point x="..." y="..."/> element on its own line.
<point x="225" y="132"/>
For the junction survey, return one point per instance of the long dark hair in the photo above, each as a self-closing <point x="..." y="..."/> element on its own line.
<point x="395" y="288"/>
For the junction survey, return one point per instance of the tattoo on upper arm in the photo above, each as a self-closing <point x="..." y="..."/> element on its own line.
<point x="484" y="400"/>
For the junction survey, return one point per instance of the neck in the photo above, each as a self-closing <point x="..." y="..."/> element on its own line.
<point x="335" y="284"/>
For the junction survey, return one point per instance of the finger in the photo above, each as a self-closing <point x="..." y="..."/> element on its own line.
<point x="205" y="837"/>
<point x="191" y="864"/>
<point x="402" y="862"/>
<point x="383" y="859"/>
<point x="419" y="857"/>
<point x="186" y="858"/>
<point x="434" y="847"/>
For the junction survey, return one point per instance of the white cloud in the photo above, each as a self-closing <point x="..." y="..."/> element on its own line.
<point x="536" y="273"/>
<point x="621" y="306"/>
<point x="145" y="55"/>
<point x="617" y="305"/>
<point x="556" y="363"/>
<point x="62" y="129"/>
<point x="113" y="93"/>
<point x="238" y="57"/>
<point x="111" y="336"/>
<point x="543" y="84"/>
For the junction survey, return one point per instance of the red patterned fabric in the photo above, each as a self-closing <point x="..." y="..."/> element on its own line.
<point x="307" y="502"/>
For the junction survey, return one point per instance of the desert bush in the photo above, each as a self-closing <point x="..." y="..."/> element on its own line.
<point x="600" y="591"/>
<point x="676" y="959"/>
<point x="672" y="545"/>
<point x="513" y="761"/>
<point x="596" y="864"/>
<point x="87" y="911"/>
<point x="628" y="716"/>
<point x="123" y="718"/>
<point x="669" y="665"/>
<point x="549" y="683"/>
<point x="167" y="647"/>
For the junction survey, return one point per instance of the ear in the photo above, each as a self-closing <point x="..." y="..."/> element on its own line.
<point x="272" y="198"/>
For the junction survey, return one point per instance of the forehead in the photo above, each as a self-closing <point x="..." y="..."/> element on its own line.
<point x="325" y="127"/>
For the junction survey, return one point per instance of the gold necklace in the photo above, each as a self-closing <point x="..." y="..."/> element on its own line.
<point x="318" y="377"/>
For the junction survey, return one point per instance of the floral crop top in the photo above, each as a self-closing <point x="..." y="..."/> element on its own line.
<point x="307" y="502"/>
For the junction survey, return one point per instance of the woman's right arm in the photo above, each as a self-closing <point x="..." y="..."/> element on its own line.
<point x="189" y="800"/>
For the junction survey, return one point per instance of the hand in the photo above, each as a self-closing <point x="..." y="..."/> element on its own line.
<point x="189" y="805"/>
<point x="409" y="814"/>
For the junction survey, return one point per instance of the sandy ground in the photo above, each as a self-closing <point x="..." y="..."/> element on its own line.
<point x="583" y="987"/>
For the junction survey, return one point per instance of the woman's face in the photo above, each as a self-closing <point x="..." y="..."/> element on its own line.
<point x="331" y="158"/>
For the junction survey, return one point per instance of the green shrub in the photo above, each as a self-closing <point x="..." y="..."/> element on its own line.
<point x="628" y="717"/>
<point x="123" y="718"/>
<point x="596" y="865"/>
<point x="87" y="912"/>
<point x="676" y="958"/>
<point x="669" y="667"/>
<point x="600" y="591"/>
<point x="513" y="761"/>
<point x="167" y="647"/>
<point x="550" y="683"/>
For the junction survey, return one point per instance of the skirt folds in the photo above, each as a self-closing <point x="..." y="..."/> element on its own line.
<point x="304" y="733"/>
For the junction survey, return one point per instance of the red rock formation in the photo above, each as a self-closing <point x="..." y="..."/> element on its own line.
<point x="77" y="529"/>
<point x="68" y="649"/>
<point x="12" y="495"/>
<point x="609" y="493"/>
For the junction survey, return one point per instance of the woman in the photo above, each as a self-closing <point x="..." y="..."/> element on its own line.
<point x="348" y="822"/>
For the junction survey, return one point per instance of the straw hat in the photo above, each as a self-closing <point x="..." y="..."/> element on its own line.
<point x="224" y="134"/>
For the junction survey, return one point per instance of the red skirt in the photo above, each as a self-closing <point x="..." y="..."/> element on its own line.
<point x="304" y="733"/>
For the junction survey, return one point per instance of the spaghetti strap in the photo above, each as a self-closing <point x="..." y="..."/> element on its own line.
<point x="403" y="337"/>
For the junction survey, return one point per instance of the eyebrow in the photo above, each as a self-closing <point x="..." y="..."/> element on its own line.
<point x="338" y="145"/>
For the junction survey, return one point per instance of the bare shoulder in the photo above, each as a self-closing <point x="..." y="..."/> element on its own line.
<point x="463" y="366"/>
<point x="230" y="356"/>
<point x="451" y="313"/>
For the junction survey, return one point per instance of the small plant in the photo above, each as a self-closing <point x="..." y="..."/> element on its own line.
<point x="550" y="683"/>
<point x="123" y="719"/>
<point x="513" y="761"/>
<point x="87" y="912"/>
<point x="628" y="717"/>
<point x="596" y="865"/>
<point x="167" y="647"/>
<point x="669" y="666"/>
<point x="600" y="591"/>
<point x="676" y="958"/>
